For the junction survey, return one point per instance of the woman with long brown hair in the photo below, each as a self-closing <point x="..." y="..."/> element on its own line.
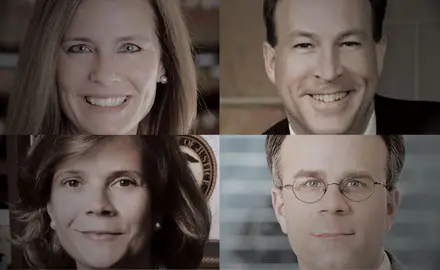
<point x="106" y="68"/>
<point x="110" y="202"/>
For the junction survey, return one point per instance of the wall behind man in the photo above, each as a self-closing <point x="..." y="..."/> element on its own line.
<point x="251" y="238"/>
<point x="249" y="102"/>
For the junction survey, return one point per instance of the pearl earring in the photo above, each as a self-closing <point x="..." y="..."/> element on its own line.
<point x="157" y="226"/>
<point x="163" y="79"/>
<point x="52" y="224"/>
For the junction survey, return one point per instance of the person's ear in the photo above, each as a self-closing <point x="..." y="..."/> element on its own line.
<point x="381" y="49"/>
<point x="278" y="207"/>
<point x="50" y="213"/>
<point x="393" y="204"/>
<point x="161" y="74"/>
<point x="269" y="61"/>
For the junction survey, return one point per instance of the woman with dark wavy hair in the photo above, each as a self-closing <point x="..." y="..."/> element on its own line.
<point x="110" y="202"/>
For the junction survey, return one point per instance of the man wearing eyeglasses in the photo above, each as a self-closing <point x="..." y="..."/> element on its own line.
<point x="336" y="197"/>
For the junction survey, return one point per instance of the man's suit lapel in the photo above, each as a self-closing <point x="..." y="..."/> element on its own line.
<point x="382" y="125"/>
<point x="395" y="264"/>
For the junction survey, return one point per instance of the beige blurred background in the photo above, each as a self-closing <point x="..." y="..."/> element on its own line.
<point x="248" y="101"/>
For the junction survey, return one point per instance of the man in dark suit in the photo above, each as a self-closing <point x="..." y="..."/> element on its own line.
<point x="325" y="58"/>
<point x="334" y="200"/>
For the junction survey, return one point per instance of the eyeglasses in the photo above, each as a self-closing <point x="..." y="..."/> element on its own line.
<point x="356" y="189"/>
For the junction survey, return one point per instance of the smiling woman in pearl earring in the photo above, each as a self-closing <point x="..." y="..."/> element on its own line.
<point x="105" y="67"/>
<point x="101" y="202"/>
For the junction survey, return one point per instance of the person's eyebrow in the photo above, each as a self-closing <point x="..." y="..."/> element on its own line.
<point x="113" y="174"/>
<point x="118" y="40"/>
<point x="67" y="173"/>
<point x="342" y="35"/>
<point x="71" y="172"/>
<point x="298" y="33"/>
<point x="82" y="39"/>
<point x="133" y="38"/>
<point x="132" y="173"/>
<point x="356" y="173"/>
<point x="353" y="32"/>
<point x="309" y="174"/>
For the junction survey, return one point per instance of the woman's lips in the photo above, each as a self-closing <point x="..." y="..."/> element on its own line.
<point x="101" y="235"/>
<point x="331" y="235"/>
<point x="105" y="106"/>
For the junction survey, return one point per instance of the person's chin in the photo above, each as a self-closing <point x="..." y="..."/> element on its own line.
<point x="96" y="263"/>
<point x="336" y="261"/>
<point x="335" y="265"/>
<point x="337" y="123"/>
<point x="328" y="126"/>
<point x="106" y="128"/>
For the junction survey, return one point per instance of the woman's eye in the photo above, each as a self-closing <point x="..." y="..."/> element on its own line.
<point x="72" y="183"/>
<point x="81" y="48"/>
<point x="130" y="48"/>
<point x="125" y="182"/>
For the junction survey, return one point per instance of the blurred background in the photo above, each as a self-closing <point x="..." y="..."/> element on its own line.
<point x="249" y="101"/>
<point x="203" y="23"/>
<point x="251" y="238"/>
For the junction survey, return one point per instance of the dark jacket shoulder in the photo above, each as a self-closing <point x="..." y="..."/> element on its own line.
<point x="394" y="116"/>
<point x="280" y="128"/>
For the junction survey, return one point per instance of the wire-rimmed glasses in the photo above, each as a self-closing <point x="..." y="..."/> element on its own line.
<point x="356" y="189"/>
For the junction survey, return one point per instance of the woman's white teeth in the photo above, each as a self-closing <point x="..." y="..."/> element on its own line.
<point x="330" y="97"/>
<point x="106" y="102"/>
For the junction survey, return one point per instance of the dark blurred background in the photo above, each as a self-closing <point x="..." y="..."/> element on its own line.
<point x="251" y="237"/>
<point x="203" y="23"/>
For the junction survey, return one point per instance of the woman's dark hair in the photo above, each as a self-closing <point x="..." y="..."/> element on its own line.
<point x="174" y="194"/>
<point x="378" y="7"/>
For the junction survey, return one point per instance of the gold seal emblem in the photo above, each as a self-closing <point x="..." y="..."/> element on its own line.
<point x="201" y="160"/>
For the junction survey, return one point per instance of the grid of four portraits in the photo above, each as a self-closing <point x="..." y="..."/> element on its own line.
<point x="135" y="134"/>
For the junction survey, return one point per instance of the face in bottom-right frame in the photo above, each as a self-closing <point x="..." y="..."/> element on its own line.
<point x="336" y="202"/>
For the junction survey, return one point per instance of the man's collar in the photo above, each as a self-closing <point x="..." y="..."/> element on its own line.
<point x="386" y="263"/>
<point x="370" y="130"/>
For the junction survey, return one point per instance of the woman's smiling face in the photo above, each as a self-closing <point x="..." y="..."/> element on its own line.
<point x="109" y="66"/>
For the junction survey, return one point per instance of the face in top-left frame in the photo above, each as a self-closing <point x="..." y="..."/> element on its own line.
<point x="104" y="67"/>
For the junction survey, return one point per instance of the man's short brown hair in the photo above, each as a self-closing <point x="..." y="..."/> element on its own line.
<point x="378" y="9"/>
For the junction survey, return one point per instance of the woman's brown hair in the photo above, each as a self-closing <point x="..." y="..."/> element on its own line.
<point x="174" y="194"/>
<point x="34" y="107"/>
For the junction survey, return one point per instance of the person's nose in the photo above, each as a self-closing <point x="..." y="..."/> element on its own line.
<point x="333" y="201"/>
<point x="103" y="70"/>
<point x="329" y="66"/>
<point x="100" y="203"/>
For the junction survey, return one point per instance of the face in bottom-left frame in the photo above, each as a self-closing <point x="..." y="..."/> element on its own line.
<point x="109" y="202"/>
